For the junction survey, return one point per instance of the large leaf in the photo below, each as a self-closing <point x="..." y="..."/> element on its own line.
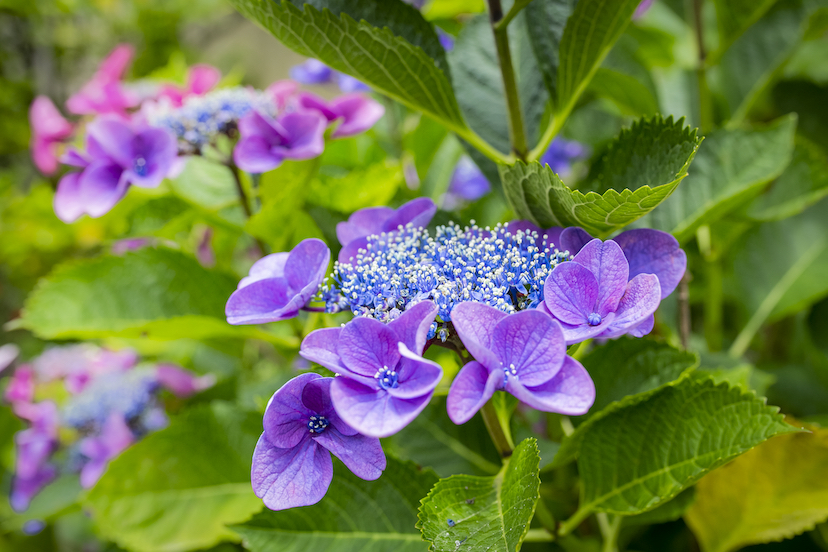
<point x="624" y="79"/>
<point x="367" y="186"/>
<point x="545" y="21"/>
<point x="590" y="33"/>
<point x="179" y="488"/>
<point x="642" y="167"/>
<point x="735" y="16"/>
<point x="770" y="493"/>
<point x="646" y="453"/>
<point x="153" y="291"/>
<point x="387" y="45"/>
<point x="484" y="513"/>
<point x="206" y="183"/>
<point x="371" y="516"/>
<point x="732" y="166"/>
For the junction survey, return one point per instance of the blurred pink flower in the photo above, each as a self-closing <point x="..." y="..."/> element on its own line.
<point x="200" y="80"/>
<point x="182" y="382"/>
<point x="49" y="128"/>
<point x="104" y="92"/>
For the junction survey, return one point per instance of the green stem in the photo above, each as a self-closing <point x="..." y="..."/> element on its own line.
<point x="705" y="98"/>
<point x="545" y="517"/>
<point x="573" y="522"/>
<point x="577" y="350"/>
<point x="501" y="440"/>
<point x="517" y="132"/>
<point x="610" y="528"/>
<point x="551" y="131"/>
<point x="538" y="535"/>
<point x="516" y="8"/>
<point x="714" y="304"/>
<point x="248" y="211"/>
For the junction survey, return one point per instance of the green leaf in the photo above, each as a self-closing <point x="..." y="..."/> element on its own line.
<point x="646" y="367"/>
<point x="624" y="80"/>
<point x="646" y="453"/>
<point x="668" y="511"/>
<point x="770" y="493"/>
<point x="364" y="187"/>
<point x="206" y="183"/>
<point x="641" y="168"/>
<point x="590" y="33"/>
<point x="803" y="183"/>
<point x="733" y="166"/>
<point x="735" y="16"/>
<point x="180" y="487"/>
<point x="372" y="516"/>
<point x="387" y="45"/>
<point x="546" y="20"/>
<point x="486" y="513"/>
<point x="154" y="292"/>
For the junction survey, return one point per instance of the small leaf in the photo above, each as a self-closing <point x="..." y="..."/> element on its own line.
<point x="644" y="454"/>
<point x="375" y="516"/>
<point x="732" y="166"/>
<point x="180" y="487"/>
<point x="770" y="493"/>
<point x="364" y="187"/>
<point x="484" y="513"/>
<point x="205" y="183"/>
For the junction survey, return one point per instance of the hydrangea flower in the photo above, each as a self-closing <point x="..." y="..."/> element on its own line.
<point x="593" y="296"/>
<point x="200" y="80"/>
<point x="8" y="354"/>
<point x="292" y="462"/>
<point x="34" y="446"/>
<point x="279" y="285"/>
<point x="118" y="155"/>
<point x="104" y="93"/>
<point x="353" y="234"/>
<point x="182" y="382"/>
<point x="467" y="183"/>
<point x="313" y="71"/>
<point x="522" y="353"/>
<point x="49" y="128"/>
<point x="114" y="438"/>
<point x="560" y="154"/>
<point x="355" y="112"/>
<point x="384" y="383"/>
<point x="265" y="142"/>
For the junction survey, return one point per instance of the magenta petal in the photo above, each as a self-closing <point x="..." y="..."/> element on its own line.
<point x="359" y="113"/>
<point x="609" y="265"/>
<point x="570" y="392"/>
<point x="46" y="121"/>
<point x="362" y="223"/>
<point x="202" y="78"/>
<point x="418" y="212"/>
<point x="307" y="100"/>
<point x="253" y="154"/>
<point x="471" y="388"/>
<point x="571" y="293"/>
<point x="475" y="323"/>
<point x="181" y="382"/>
<point x="416" y="376"/>
<point x="286" y="416"/>
<point x="287" y="478"/>
<point x="640" y="301"/>
<point x="261" y="302"/>
<point x="319" y="346"/>
<point x="68" y="202"/>
<point x="367" y="345"/>
<point x="372" y="411"/>
<point x="573" y="239"/>
<point x="362" y="455"/>
<point x="532" y="343"/>
<point x="114" y="66"/>
<point x="270" y="266"/>
<point x="101" y="186"/>
<point x="306" y="266"/>
<point x="654" y="252"/>
<point x="413" y="325"/>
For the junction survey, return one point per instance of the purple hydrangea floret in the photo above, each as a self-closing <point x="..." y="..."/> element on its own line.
<point x="594" y="296"/>
<point x="467" y="183"/>
<point x="355" y="113"/>
<point x="312" y="71"/>
<point x="292" y="462"/>
<point x="373" y="221"/>
<point x="279" y="285"/>
<point x="561" y="153"/>
<point x="523" y="354"/>
<point x="114" y="438"/>
<point x="384" y="383"/>
<point x="266" y="142"/>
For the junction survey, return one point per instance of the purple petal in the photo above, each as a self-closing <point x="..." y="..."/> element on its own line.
<point x="33" y="449"/>
<point x="181" y="382"/>
<point x="101" y="186"/>
<point x="158" y="149"/>
<point x="571" y="293"/>
<point x="287" y="478"/>
<point x="311" y="71"/>
<point x="367" y="345"/>
<point x="347" y="83"/>
<point x="270" y="266"/>
<point x="412" y="326"/>
<point x="418" y="212"/>
<point x="532" y="343"/>
<point x="23" y="490"/>
<point x="253" y="154"/>
<point x="359" y="113"/>
<point x="611" y="269"/>
<point x="115" y="437"/>
<point x="573" y="239"/>
<point x="644" y="328"/>
<point x="475" y="323"/>
<point x="306" y="266"/>
<point x="362" y="223"/>
<point x="319" y="346"/>
<point x="363" y="455"/>
<point x="416" y="375"/>
<point x="372" y="411"/>
<point x="570" y="392"/>
<point x="68" y="203"/>
<point x="306" y="100"/>
<point x="351" y="251"/>
<point x="261" y="302"/>
<point x="575" y="333"/>
<point x="654" y="252"/>
<point x="114" y="136"/>
<point x="316" y="396"/>
<point x="640" y="301"/>
<point x="286" y="416"/>
<point x="471" y="388"/>
<point x="304" y="134"/>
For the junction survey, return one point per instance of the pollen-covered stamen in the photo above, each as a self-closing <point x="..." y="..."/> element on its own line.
<point x="594" y="319"/>
<point x="317" y="424"/>
<point x="139" y="166"/>
<point x="386" y="378"/>
<point x="509" y="371"/>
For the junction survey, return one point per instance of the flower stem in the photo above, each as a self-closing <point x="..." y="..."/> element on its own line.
<point x="705" y="98"/>
<point x="610" y="528"/>
<point x="517" y="132"/>
<point x="248" y="211"/>
<point x="502" y="442"/>
<point x="573" y="522"/>
<point x="684" y="310"/>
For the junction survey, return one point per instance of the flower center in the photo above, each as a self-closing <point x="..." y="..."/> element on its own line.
<point x="317" y="424"/>
<point x="508" y="371"/>
<point x="139" y="166"/>
<point x="387" y="378"/>
<point x="594" y="319"/>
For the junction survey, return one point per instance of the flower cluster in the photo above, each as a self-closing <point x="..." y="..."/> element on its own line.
<point x="507" y="299"/>
<point x="138" y="133"/>
<point x="106" y="402"/>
